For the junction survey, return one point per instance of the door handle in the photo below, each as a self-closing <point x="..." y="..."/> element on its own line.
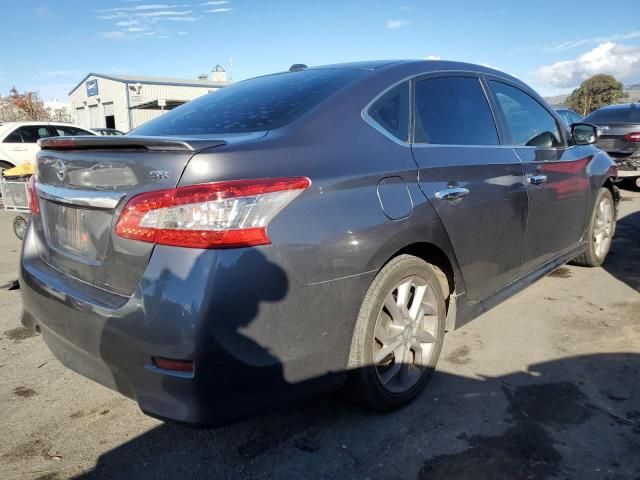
<point x="19" y="149"/>
<point x="537" y="179"/>
<point x="452" y="193"/>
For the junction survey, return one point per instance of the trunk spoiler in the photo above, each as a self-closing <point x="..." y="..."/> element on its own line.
<point x="90" y="142"/>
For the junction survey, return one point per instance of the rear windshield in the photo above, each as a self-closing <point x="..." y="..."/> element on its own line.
<point x="253" y="105"/>
<point x="614" y="115"/>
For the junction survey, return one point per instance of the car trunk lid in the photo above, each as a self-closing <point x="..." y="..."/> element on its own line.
<point x="82" y="186"/>
<point x="611" y="138"/>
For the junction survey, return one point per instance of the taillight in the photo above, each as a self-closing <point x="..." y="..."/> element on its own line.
<point x="213" y="215"/>
<point x="34" y="205"/>
<point x="632" y="137"/>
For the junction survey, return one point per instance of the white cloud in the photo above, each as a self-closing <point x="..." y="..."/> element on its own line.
<point x="180" y="19"/>
<point x="219" y="10"/>
<point x="621" y="61"/>
<point x="115" y="35"/>
<point x="433" y="57"/>
<point x="127" y="23"/>
<point x="558" y="47"/>
<point x="146" y="19"/>
<point x="163" y="13"/>
<point x="394" y="24"/>
<point x="217" y="2"/>
<point x="156" y="6"/>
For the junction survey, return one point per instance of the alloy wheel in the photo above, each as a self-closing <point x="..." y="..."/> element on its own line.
<point x="603" y="228"/>
<point x="405" y="334"/>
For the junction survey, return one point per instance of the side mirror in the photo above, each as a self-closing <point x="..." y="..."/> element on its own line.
<point x="584" y="133"/>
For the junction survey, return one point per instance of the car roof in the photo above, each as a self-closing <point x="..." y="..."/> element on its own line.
<point x="425" y="66"/>
<point x="36" y="122"/>
<point x="620" y="106"/>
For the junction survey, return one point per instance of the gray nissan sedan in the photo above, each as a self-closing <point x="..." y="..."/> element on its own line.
<point x="300" y="231"/>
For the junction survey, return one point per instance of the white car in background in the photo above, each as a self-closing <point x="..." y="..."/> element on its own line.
<point x="19" y="140"/>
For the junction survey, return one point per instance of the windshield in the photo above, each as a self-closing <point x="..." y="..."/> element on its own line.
<point x="254" y="105"/>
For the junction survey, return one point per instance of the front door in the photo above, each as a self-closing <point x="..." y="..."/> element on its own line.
<point x="556" y="175"/>
<point x="26" y="150"/>
<point x="475" y="185"/>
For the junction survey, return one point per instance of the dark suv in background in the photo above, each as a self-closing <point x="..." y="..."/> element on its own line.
<point x="295" y="231"/>
<point x="619" y="136"/>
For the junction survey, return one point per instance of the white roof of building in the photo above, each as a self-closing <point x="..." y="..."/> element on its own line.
<point x="180" y="82"/>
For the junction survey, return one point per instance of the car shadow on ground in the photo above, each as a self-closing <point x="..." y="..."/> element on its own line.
<point x="623" y="261"/>
<point x="577" y="417"/>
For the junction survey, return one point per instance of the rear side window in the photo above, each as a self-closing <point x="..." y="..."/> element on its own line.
<point x="391" y="111"/>
<point x="32" y="133"/>
<point x="13" y="137"/>
<point x="529" y="122"/>
<point x="453" y="111"/>
<point x="253" y="105"/>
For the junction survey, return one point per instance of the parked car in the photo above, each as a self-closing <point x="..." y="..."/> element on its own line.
<point x="19" y="140"/>
<point x="107" y="131"/>
<point x="619" y="136"/>
<point x="303" y="229"/>
<point x="569" y="116"/>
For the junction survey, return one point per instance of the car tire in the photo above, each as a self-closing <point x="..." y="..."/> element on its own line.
<point x="602" y="227"/>
<point x="376" y="379"/>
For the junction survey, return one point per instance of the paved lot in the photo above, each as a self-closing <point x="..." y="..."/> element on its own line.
<point x="543" y="386"/>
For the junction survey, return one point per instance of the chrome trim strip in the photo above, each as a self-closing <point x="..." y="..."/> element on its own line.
<point x="81" y="198"/>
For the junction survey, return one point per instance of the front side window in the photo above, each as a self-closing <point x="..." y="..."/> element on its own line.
<point x="453" y="111"/>
<point x="529" y="122"/>
<point x="391" y="111"/>
<point x="32" y="133"/>
<point x="13" y="137"/>
<point x="254" y="105"/>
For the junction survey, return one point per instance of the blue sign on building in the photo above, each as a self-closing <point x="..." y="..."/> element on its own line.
<point x="92" y="88"/>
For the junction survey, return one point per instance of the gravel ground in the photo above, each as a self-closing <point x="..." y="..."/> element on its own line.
<point x="543" y="386"/>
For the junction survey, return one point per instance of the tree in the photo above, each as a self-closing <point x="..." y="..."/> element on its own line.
<point x="59" y="115"/>
<point x="8" y="111"/>
<point x="30" y="104"/>
<point x="595" y="92"/>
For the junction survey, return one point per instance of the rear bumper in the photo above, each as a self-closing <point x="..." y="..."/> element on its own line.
<point x="256" y="337"/>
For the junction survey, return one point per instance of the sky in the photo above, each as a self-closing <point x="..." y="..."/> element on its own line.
<point x="552" y="45"/>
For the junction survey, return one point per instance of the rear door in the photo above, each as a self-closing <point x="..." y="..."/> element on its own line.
<point x="556" y="174"/>
<point x="475" y="184"/>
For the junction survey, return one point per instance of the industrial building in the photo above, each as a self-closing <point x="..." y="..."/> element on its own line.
<point x="127" y="101"/>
